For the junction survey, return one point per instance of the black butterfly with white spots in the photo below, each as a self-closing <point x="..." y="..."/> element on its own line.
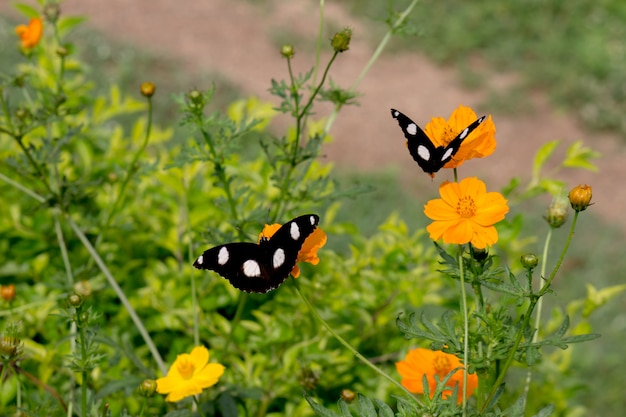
<point x="430" y="158"/>
<point x="263" y="267"/>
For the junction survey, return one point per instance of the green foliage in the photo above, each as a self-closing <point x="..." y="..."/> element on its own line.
<point x="105" y="212"/>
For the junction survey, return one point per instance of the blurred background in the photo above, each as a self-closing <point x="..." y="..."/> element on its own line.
<point x="544" y="70"/>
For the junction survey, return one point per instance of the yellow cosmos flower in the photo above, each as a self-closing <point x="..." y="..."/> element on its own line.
<point x="466" y="212"/>
<point x="30" y="34"/>
<point x="420" y="362"/>
<point x="189" y="375"/>
<point x="308" y="253"/>
<point x="480" y="143"/>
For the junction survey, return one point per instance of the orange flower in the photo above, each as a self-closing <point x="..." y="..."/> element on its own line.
<point x="308" y="252"/>
<point x="420" y="362"/>
<point x="466" y="212"/>
<point x="30" y="34"/>
<point x="480" y="143"/>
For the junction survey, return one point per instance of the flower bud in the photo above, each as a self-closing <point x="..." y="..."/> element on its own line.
<point x="147" y="89"/>
<point x="148" y="387"/>
<point x="480" y="254"/>
<point x="529" y="261"/>
<point x="7" y="292"/>
<point x="287" y="51"/>
<point x="580" y="197"/>
<point x="51" y="11"/>
<point x="341" y="41"/>
<point x="556" y="213"/>
<point x="74" y="300"/>
<point x="347" y="395"/>
<point x="10" y="348"/>
<point x="62" y="51"/>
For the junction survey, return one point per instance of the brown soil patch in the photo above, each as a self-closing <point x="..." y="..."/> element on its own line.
<point x="234" y="38"/>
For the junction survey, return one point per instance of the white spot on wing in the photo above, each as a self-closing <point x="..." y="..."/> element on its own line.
<point x="312" y="220"/>
<point x="200" y="260"/>
<point x="464" y="133"/>
<point x="279" y="258"/>
<point x="423" y="152"/>
<point x="411" y="128"/>
<point x="294" y="231"/>
<point x="396" y="113"/>
<point x="251" y="268"/>
<point x="222" y="256"/>
<point x="447" y="154"/>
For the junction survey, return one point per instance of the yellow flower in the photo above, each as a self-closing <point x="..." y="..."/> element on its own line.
<point x="308" y="252"/>
<point x="466" y="212"/>
<point x="420" y="362"/>
<point x="189" y="375"/>
<point x="480" y="143"/>
<point x="30" y="34"/>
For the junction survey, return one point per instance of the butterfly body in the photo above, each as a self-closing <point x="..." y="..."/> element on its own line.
<point x="260" y="267"/>
<point x="429" y="157"/>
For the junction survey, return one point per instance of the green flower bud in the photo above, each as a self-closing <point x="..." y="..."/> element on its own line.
<point x="556" y="213"/>
<point x="341" y="41"/>
<point x="529" y="261"/>
<point x="148" y="387"/>
<point x="74" y="300"/>
<point x="348" y="395"/>
<point x="287" y="51"/>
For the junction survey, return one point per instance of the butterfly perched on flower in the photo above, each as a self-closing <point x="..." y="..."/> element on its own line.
<point x="262" y="267"/>
<point x="429" y="156"/>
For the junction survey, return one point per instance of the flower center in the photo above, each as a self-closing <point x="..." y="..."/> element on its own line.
<point x="185" y="368"/>
<point x="466" y="207"/>
<point x="441" y="363"/>
<point x="447" y="135"/>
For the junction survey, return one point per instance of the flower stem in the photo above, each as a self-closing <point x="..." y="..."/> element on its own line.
<point x="465" y="328"/>
<point x="350" y="348"/>
<point x="370" y="63"/>
<point x="120" y="294"/>
<point x="534" y="297"/>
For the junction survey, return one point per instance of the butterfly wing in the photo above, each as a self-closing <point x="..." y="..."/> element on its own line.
<point x="263" y="267"/>
<point x="240" y="263"/>
<point x="429" y="157"/>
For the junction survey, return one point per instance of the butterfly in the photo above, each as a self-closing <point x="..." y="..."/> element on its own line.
<point x="429" y="157"/>
<point x="261" y="267"/>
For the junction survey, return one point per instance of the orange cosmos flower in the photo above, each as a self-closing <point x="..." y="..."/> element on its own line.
<point x="30" y="34"/>
<point x="189" y="375"/>
<point x="311" y="245"/>
<point x="480" y="143"/>
<point x="466" y="212"/>
<point x="420" y="362"/>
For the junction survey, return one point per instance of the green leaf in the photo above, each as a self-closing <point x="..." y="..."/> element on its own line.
<point x="546" y="411"/>
<point x="27" y="10"/>
<point x="383" y="409"/>
<point x="66" y="24"/>
<point x="319" y="409"/>
<point x="366" y="408"/>
<point x="579" y="156"/>
<point x="542" y="155"/>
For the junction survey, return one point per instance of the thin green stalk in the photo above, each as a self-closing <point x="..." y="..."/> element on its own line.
<point x="544" y="263"/>
<point x="192" y="275"/>
<point x="465" y="328"/>
<point x="350" y="348"/>
<point x="120" y="294"/>
<point x="83" y="353"/>
<point x="22" y="188"/>
<point x="241" y="304"/>
<point x="132" y="170"/>
<point x="196" y="405"/>
<point x="70" y="283"/>
<point x="318" y="50"/>
<point x="370" y="63"/>
<point x="534" y="297"/>
<point x="301" y="117"/>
